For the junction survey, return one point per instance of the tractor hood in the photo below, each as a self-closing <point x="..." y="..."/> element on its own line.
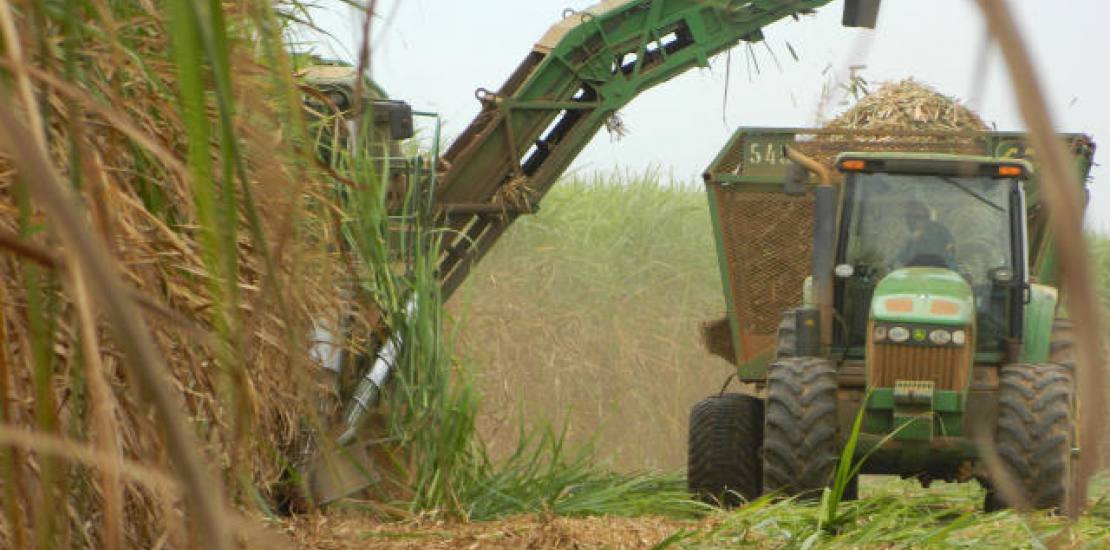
<point x="924" y="295"/>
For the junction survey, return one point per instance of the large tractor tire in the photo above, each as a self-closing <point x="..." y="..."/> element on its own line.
<point x="1035" y="433"/>
<point x="723" y="465"/>
<point x="800" y="449"/>
<point x="1061" y="350"/>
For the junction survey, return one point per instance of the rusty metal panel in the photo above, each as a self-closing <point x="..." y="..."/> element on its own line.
<point x="766" y="243"/>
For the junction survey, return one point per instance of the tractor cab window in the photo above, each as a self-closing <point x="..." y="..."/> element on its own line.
<point x="902" y="220"/>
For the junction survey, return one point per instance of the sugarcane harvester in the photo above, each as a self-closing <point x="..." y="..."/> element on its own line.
<point x="568" y="87"/>
<point x="930" y="304"/>
<point x="905" y="277"/>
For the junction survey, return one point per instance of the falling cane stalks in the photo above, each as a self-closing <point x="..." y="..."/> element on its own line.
<point x="908" y="105"/>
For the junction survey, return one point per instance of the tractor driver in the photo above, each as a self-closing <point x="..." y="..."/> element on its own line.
<point x="929" y="243"/>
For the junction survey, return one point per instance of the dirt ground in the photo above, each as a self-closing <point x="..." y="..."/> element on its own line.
<point x="333" y="532"/>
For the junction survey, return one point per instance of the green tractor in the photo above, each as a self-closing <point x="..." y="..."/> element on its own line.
<point x="913" y="287"/>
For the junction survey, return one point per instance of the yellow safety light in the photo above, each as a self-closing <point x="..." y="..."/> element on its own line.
<point x="1009" y="171"/>
<point x="853" y="165"/>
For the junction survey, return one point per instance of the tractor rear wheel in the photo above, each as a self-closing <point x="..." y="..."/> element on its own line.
<point x="1034" y="435"/>
<point x="723" y="465"/>
<point x="800" y="449"/>
<point x="1062" y="345"/>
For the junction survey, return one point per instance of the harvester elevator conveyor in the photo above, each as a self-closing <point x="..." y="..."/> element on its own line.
<point x="569" y="86"/>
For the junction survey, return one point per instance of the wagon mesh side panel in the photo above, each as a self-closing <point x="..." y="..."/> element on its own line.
<point x="767" y="246"/>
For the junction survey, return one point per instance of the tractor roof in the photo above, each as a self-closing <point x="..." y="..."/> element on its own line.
<point x="933" y="164"/>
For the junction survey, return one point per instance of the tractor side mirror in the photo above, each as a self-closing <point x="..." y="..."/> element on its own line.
<point x="397" y="116"/>
<point x="861" y="13"/>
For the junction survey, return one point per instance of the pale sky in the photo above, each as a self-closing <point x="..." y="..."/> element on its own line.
<point x="435" y="53"/>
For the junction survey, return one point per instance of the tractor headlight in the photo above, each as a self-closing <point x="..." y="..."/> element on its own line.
<point x="918" y="335"/>
<point x="898" y="334"/>
<point x="940" y="337"/>
<point x="959" y="337"/>
<point x="880" y="333"/>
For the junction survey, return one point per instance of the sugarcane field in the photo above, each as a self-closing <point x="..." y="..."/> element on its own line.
<point x="555" y="274"/>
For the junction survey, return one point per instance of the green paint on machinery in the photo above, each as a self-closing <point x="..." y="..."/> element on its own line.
<point x="918" y="284"/>
<point x="765" y="276"/>
<point x="332" y="93"/>
<point x="924" y="295"/>
<point x="568" y="87"/>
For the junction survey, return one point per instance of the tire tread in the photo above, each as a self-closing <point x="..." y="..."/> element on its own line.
<point x="726" y="433"/>
<point x="800" y="434"/>
<point x="1034" y="431"/>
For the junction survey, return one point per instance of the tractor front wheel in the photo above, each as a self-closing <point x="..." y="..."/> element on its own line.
<point x="800" y="449"/>
<point x="1034" y="435"/>
<point x="723" y="466"/>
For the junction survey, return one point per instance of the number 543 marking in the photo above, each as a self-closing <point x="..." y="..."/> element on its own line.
<point x="766" y="153"/>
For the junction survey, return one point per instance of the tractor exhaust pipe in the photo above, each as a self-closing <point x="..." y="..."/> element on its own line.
<point x="810" y="164"/>
<point x="861" y="13"/>
<point x="824" y="242"/>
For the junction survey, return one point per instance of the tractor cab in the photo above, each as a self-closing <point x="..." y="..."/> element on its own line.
<point x="930" y="254"/>
<point x="930" y="280"/>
